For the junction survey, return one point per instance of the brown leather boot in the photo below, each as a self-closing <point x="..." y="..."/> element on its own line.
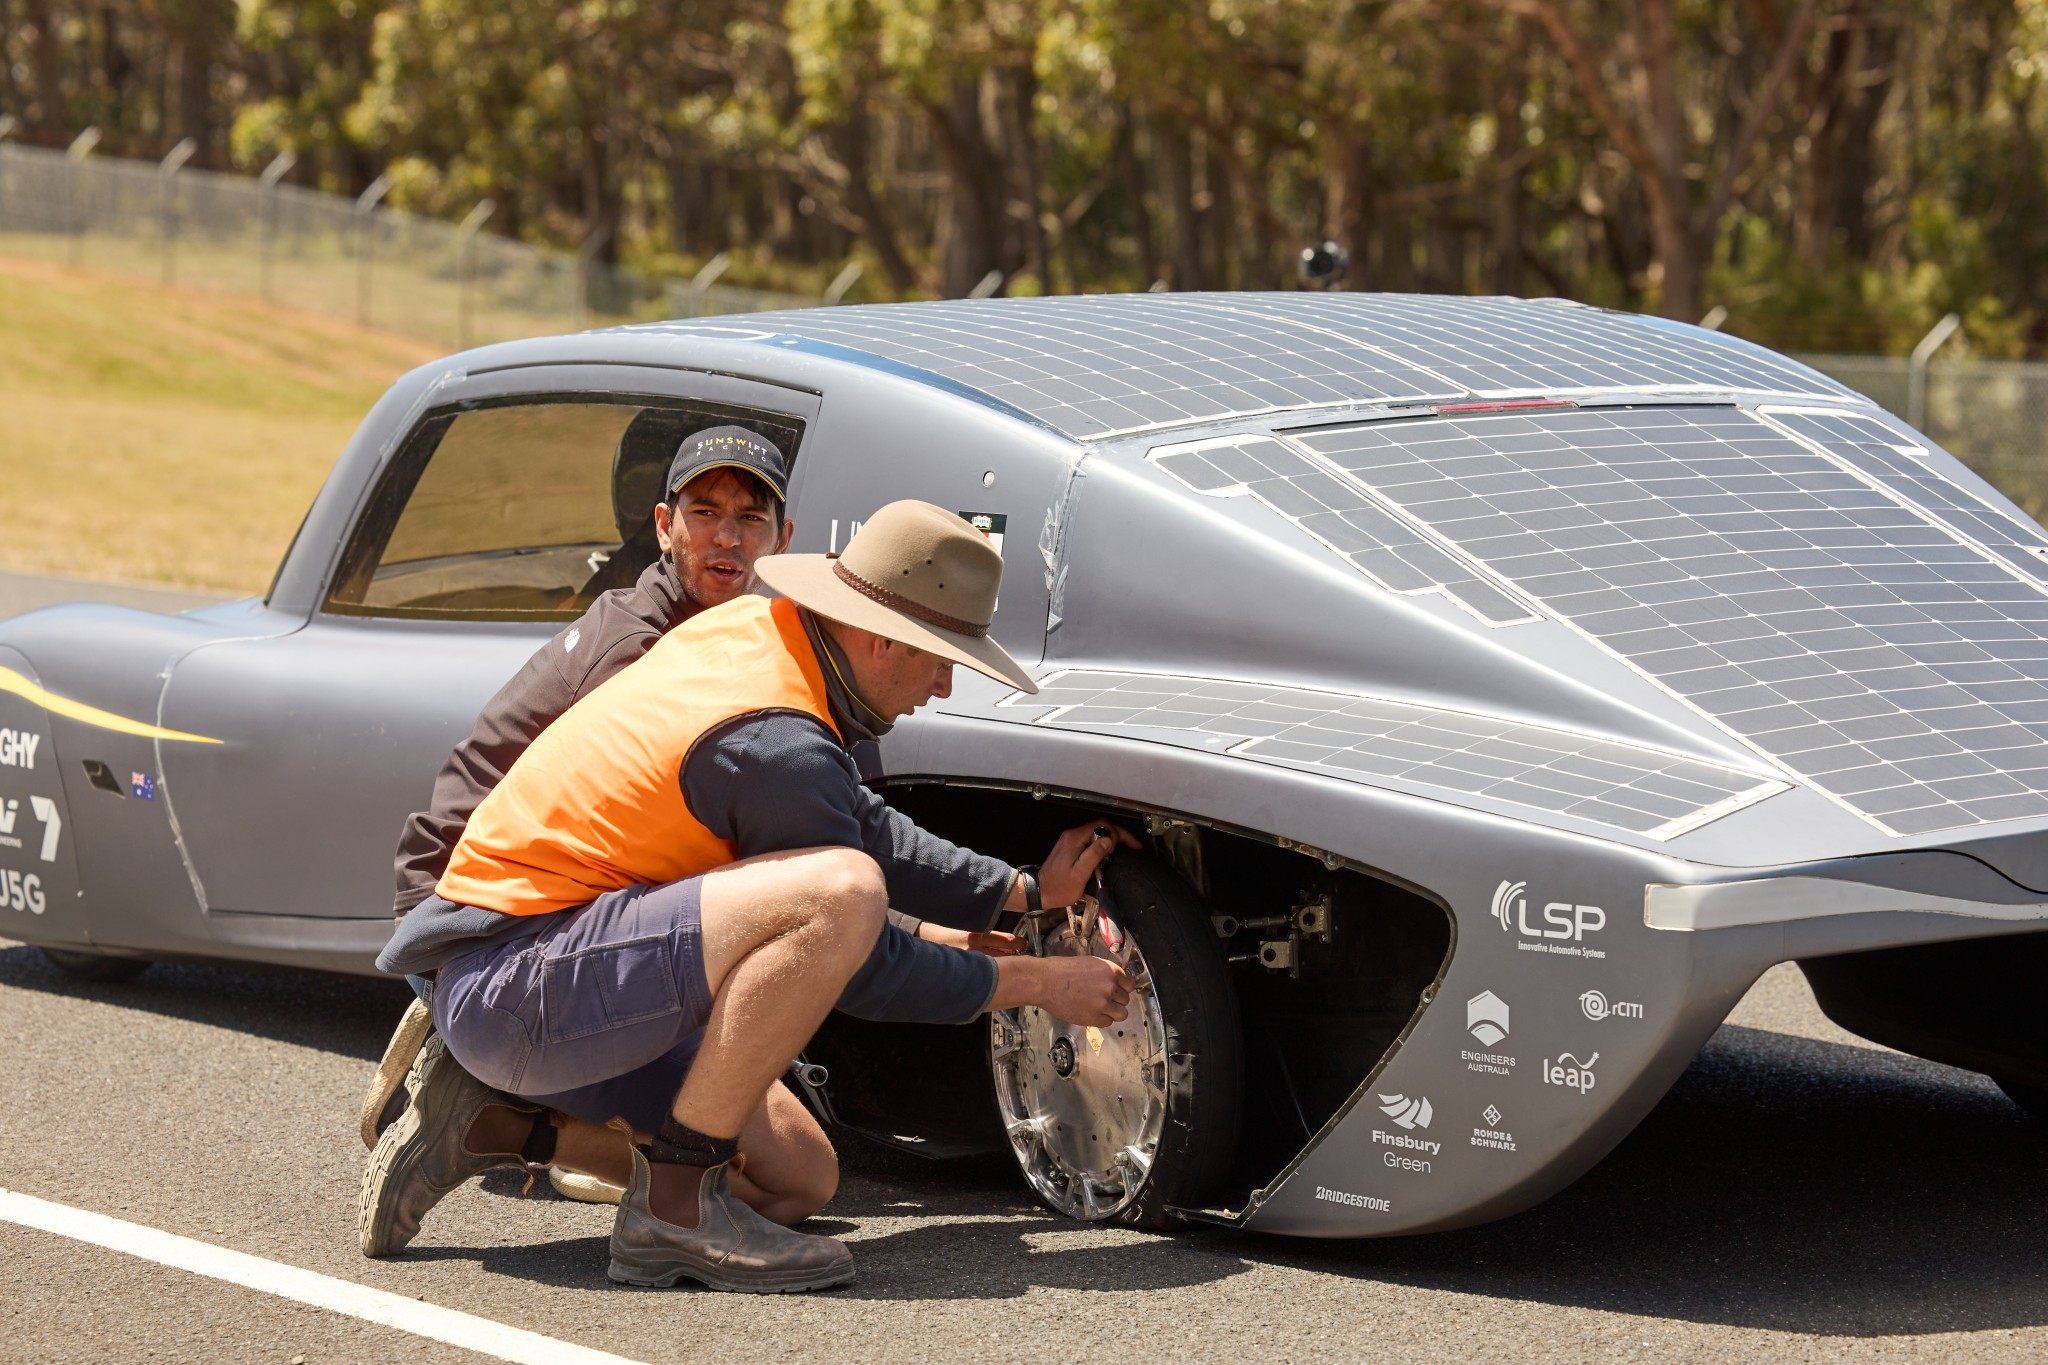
<point x="731" y="1248"/>
<point x="422" y="1157"/>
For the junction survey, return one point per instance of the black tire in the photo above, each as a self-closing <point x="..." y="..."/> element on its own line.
<point x="1204" y="1038"/>
<point x="1203" y="1066"/>
<point x="2032" y="1098"/>
<point x="94" y="966"/>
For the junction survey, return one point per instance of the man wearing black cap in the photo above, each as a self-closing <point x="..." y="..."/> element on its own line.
<point x="721" y="508"/>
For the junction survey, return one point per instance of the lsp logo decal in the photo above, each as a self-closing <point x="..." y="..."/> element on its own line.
<point x="1561" y="919"/>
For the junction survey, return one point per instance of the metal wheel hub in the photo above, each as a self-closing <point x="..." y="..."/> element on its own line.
<point x="1084" y="1107"/>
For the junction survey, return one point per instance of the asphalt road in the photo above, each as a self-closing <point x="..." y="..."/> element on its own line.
<point x="1799" y="1194"/>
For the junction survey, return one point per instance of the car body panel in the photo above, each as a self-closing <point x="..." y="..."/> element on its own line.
<point x="1243" y="621"/>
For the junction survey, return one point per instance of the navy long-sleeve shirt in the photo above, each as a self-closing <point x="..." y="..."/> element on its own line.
<point x="781" y="781"/>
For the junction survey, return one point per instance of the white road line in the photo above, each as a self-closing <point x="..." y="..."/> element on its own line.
<point x="301" y="1286"/>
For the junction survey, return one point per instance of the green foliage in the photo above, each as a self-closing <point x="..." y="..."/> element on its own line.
<point x="1894" y="167"/>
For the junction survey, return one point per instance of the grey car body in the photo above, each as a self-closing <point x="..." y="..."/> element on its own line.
<point x="1579" y="666"/>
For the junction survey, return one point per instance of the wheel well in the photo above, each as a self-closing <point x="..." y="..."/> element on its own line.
<point x="1318" y="1015"/>
<point x="1972" y="1003"/>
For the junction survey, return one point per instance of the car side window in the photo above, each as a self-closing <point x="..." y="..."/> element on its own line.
<point x="523" y="509"/>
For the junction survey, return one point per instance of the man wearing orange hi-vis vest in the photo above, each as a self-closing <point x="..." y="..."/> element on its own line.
<point x="654" y="910"/>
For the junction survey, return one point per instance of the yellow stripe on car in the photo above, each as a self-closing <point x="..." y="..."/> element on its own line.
<point x="11" y="681"/>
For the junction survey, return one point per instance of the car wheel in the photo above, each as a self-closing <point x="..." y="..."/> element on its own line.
<point x="1124" y="1122"/>
<point x="2032" y="1098"/>
<point x="94" y="966"/>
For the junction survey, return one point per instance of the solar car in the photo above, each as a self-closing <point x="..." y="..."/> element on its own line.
<point x="1498" y="687"/>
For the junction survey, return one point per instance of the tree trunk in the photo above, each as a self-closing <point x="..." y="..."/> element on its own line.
<point x="1025" y="204"/>
<point x="196" y="43"/>
<point x="1132" y="179"/>
<point x="849" y="142"/>
<point x="971" y="238"/>
<point x="1348" y="206"/>
<point x="51" y="119"/>
<point x="1174" y="150"/>
<point x="1510" y="187"/>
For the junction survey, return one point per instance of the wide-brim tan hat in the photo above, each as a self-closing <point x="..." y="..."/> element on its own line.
<point x="914" y="573"/>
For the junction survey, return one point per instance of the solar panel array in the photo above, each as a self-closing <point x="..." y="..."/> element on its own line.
<point x="1341" y="515"/>
<point x="1896" y="461"/>
<point x="1403" y="745"/>
<point x="1093" y="366"/>
<point x="1852" y="637"/>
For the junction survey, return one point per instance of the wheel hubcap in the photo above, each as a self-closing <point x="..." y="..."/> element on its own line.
<point x="1085" y="1107"/>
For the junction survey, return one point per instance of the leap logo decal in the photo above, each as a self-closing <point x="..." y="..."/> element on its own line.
<point x="1406" y="1113"/>
<point x="1596" y="1006"/>
<point x="45" y="811"/>
<point x="18" y="748"/>
<point x="1564" y="928"/>
<point x="1569" y="1072"/>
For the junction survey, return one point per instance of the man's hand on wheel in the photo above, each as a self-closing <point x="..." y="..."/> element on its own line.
<point x="1080" y="990"/>
<point x="1063" y="876"/>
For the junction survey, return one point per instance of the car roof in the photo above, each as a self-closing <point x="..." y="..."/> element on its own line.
<point x="1106" y="365"/>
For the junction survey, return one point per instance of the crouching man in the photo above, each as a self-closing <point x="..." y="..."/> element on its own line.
<point x="654" y="910"/>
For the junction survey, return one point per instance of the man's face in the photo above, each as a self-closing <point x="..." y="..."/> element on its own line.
<point x="895" y="679"/>
<point x="723" y="521"/>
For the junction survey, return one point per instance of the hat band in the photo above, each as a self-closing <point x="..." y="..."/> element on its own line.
<point x="896" y="601"/>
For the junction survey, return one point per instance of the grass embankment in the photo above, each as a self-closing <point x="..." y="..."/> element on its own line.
<point x="158" y="435"/>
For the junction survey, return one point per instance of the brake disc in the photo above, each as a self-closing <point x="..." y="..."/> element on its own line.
<point x="1084" y="1106"/>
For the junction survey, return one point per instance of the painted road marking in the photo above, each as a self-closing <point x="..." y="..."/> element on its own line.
<point x="301" y="1286"/>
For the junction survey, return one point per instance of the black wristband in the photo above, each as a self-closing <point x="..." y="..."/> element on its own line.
<point x="1033" y="904"/>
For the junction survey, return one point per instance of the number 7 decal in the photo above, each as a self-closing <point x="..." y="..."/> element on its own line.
<point x="53" y="825"/>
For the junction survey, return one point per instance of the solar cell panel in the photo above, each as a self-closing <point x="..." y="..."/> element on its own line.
<point x="1780" y="586"/>
<point x="1402" y="745"/>
<point x="1104" y="365"/>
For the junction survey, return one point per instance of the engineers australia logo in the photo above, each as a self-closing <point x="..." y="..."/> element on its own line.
<point x="1563" y="929"/>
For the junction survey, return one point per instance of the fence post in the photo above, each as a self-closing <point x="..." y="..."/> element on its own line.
<point x="166" y="202"/>
<point x="842" y="282"/>
<point x="464" y="236"/>
<point x="74" y="159"/>
<point x="366" y="203"/>
<point x="586" y="260"/>
<point x="266" y="211"/>
<point x="700" y="283"/>
<point x="1916" y="370"/>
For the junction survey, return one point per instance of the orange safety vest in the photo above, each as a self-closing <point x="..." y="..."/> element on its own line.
<point x="596" y="804"/>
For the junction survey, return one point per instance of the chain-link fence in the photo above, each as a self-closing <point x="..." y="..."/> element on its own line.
<point x="326" y="253"/>
<point x="460" y="286"/>
<point x="1991" y="414"/>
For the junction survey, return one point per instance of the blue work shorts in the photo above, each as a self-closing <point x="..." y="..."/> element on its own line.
<point x="597" y="1015"/>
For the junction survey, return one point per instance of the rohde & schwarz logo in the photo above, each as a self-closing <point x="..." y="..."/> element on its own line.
<point x="1408" y="1113"/>
<point x="1597" y="1006"/>
<point x="1486" y="1017"/>
<point x="1569" y="1072"/>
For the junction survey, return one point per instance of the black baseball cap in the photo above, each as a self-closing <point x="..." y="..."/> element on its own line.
<point x="729" y="447"/>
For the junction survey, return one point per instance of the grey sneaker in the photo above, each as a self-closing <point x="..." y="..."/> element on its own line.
<point x="387" y="1097"/>
<point x="731" y="1248"/>
<point x="420" y="1158"/>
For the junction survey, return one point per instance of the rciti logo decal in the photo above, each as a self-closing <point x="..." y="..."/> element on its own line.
<point x="1561" y="919"/>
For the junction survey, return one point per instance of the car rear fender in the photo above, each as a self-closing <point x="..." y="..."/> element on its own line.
<point x="85" y="683"/>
